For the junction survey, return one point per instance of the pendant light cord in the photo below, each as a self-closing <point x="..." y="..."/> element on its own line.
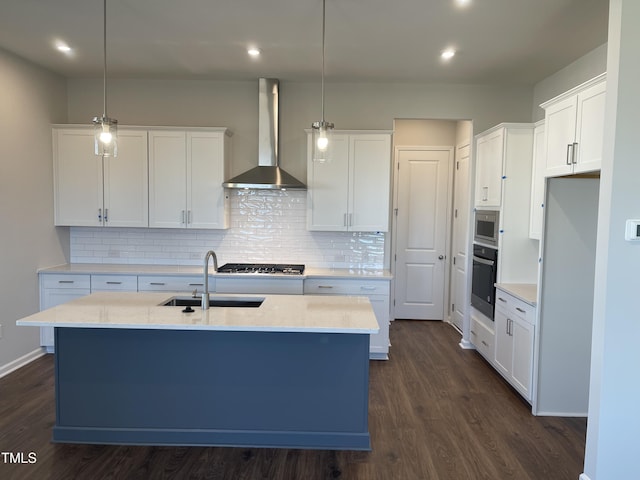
<point x="323" y="33"/>
<point x="104" y="43"/>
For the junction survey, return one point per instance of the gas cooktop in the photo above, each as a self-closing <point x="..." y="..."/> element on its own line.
<point x="287" y="269"/>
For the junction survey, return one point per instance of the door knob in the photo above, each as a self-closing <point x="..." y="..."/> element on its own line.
<point x="440" y="257"/>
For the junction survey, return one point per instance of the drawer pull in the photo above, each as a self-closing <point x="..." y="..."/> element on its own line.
<point x="473" y="332"/>
<point x="196" y="284"/>
<point x="484" y="343"/>
<point x="367" y="287"/>
<point x="325" y="286"/>
<point x="502" y="299"/>
<point x="114" y="283"/>
<point x="520" y="310"/>
<point x="157" y="283"/>
<point x="66" y="281"/>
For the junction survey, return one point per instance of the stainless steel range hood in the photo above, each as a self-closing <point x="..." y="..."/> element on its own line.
<point x="267" y="175"/>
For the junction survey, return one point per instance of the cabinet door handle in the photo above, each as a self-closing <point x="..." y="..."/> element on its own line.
<point x="106" y="215"/>
<point x="114" y="283"/>
<point x="157" y="283"/>
<point x="569" y="155"/>
<point x="485" y="194"/>
<point x="66" y="281"/>
<point x="100" y="215"/>
<point x="483" y="261"/>
<point x="351" y="219"/>
<point x="574" y="155"/>
<point x="520" y="310"/>
<point x="189" y="216"/>
<point x="344" y="219"/>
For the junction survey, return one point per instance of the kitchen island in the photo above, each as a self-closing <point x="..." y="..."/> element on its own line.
<point x="290" y="373"/>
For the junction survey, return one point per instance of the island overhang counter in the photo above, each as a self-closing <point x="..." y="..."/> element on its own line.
<point x="291" y="373"/>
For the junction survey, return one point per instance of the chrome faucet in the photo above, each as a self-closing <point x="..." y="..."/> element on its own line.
<point x="205" y="294"/>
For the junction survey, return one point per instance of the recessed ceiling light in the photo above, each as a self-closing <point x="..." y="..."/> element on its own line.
<point x="463" y="3"/>
<point x="254" y="52"/>
<point x="63" y="47"/>
<point x="448" y="53"/>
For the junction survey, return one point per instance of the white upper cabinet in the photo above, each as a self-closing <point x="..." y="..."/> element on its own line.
<point x="126" y="196"/>
<point x="574" y="129"/>
<point x="489" y="164"/>
<point x="537" y="182"/>
<point x="186" y="171"/>
<point x="328" y="187"/>
<point x="351" y="192"/>
<point x="93" y="191"/>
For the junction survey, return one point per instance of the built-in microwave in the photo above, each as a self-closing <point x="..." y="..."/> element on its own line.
<point x="486" y="227"/>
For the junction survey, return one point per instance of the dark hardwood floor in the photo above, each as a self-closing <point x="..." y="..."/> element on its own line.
<point x="436" y="412"/>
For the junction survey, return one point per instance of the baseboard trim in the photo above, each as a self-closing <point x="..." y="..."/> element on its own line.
<point x="584" y="476"/>
<point x="7" y="368"/>
<point x="466" y="345"/>
<point x="561" y="414"/>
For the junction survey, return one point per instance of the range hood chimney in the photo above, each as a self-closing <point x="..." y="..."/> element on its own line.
<point x="267" y="175"/>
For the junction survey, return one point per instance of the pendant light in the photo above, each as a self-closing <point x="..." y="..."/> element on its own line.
<point x="322" y="130"/>
<point x="105" y="129"/>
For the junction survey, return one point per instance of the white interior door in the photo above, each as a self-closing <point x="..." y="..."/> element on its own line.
<point x="422" y="192"/>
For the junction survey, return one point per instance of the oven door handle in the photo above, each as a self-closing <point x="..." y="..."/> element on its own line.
<point x="483" y="261"/>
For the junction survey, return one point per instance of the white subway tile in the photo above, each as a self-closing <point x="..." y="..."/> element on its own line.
<point x="266" y="226"/>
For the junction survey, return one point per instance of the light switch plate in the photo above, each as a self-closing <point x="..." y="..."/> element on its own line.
<point x="632" y="231"/>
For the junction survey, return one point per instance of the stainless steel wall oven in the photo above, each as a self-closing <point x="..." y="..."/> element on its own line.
<point x="483" y="290"/>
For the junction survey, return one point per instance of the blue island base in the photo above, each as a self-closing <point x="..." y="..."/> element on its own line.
<point x="212" y="388"/>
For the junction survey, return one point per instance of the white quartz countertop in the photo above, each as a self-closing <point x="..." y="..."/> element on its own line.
<point x="122" y="269"/>
<point x="278" y="313"/>
<point x="527" y="292"/>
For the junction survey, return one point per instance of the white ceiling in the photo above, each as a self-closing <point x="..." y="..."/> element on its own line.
<point x="499" y="41"/>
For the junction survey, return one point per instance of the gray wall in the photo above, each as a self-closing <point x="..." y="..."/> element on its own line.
<point x="585" y="68"/>
<point x="434" y="133"/>
<point x="30" y="100"/>
<point x="348" y="105"/>
<point x="612" y="434"/>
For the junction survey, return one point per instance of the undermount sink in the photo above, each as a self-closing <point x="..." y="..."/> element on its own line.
<point x="243" y="302"/>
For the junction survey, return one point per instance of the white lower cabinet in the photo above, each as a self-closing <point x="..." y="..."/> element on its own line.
<point x="58" y="289"/>
<point x="378" y="293"/>
<point x="483" y="338"/>
<point x="265" y="285"/>
<point x="514" y="338"/>
<point x="107" y="283"/>
<point x="171" y="283"/>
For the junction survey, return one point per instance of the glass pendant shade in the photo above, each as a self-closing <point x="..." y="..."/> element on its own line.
<point x="322" y="141"/>
<point x="105" y="132"/>
<point x="105" y="129"/>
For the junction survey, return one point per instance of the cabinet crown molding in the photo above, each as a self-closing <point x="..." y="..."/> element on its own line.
<point x="594" y="81"/>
